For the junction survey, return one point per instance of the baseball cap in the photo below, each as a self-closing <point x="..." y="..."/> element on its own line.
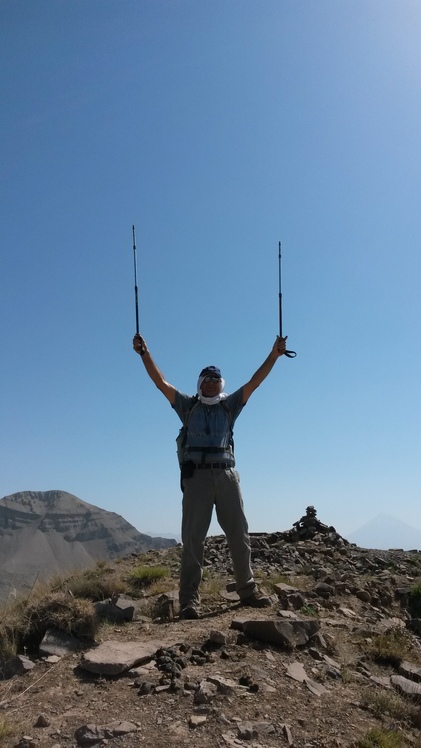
<point x="212" y="371"/>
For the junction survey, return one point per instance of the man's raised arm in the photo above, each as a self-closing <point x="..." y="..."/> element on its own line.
<point x="155" y="374"/>
<point x="278" y="350"/>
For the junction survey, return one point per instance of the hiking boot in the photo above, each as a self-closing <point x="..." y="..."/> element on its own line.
<point x="189" y="612"/>
<point x="256" y="600"/>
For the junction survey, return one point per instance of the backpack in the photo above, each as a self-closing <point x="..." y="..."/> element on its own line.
<point x="182" y="434"/>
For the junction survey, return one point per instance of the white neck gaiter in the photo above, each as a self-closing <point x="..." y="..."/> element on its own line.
<point x="210" y="400"/>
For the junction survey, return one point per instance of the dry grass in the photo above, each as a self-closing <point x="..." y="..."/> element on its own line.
<point x="96" y="584"/>
<point x="389" y="648"/>
<point x="390" y="704"/>
<point x="210" y="588"/>
<point x="5" y="728"/>
<point x="300" y="583"/>
<point x="160" y="586"/>
<point x="65" y="602"/>
<point x="378" y="738"/>
<point x="24" y="623"/>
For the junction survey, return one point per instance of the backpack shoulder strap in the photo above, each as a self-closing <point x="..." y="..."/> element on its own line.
<point x="193" y="402"/>
<point x="228" y="412"/>
<point x="230" y="418"/>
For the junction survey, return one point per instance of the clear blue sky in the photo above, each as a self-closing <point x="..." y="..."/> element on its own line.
<point x="217" y="128"/>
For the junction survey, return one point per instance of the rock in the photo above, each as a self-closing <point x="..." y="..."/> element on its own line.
<point x="283" y="590"/>
<point x="91" y="734"/>
<point x="332" y="663"/>
<point x="286" y="731"/>
<point x="217" y="637"/>
<point x="18" y="665"/>
<point x="165" y="606"/>
<point x="316" y="688"/>
<point x="245" y="731"/>
<point x="315" y="654"/>
<point x="411" y="671"/>
<point x="42" y="721"/>
<point x="205" y="693"/>
<point x="289" y="615"/>
<point x="383" y="681"/>
<point x="238" y="622"/>
<point x="26" y="741"/>
<point x="321" y="641"/>
<point x="264" y="728"/>
<point x="114" y="657"/>
<point x="347" y="612"/>
<point x="296" y="671"/>
<point x="146" y="687"/>
<point x="415" y="625"/>
<point x="324" y="590"/>
<point x="138" y="672"/>
<point x="251" y="730"/>
<point x="56" y="642"/>
<point x="224" y="685"/>
<point x="52" y="659"/>
<point x="196" y="720"/>
<point x="121" y="727"/>
<point x="107" y="611"/>
<point x="287" y="634"/>
<point x="296" y="600"/>
<point x="406" y="687"/>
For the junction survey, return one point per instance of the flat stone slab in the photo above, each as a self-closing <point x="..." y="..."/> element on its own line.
<point x="289" y="615"/>
<point x="411" y="671"/>
<point x="288" y="634"/>
<point x="87" y="735"/>
<point x="56" y="642"/>
<point x="383" y="681"/>
<point x="115" y="657"/>
<point x="238" y="622"/>
<point x="406" y="687"/>
<point x="296" y="671"/>
<point x="284" y="589"/>
<point x="316" y="688"/>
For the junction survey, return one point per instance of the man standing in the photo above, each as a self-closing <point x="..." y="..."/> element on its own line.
<point x="208" y="477"/>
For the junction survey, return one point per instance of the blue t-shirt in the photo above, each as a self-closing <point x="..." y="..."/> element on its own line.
<point x="209" y="426"/>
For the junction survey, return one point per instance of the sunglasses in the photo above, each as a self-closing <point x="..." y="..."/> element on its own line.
<point x="211" y="379"/>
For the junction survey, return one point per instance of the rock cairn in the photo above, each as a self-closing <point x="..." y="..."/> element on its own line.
<point x="308" y="527"/>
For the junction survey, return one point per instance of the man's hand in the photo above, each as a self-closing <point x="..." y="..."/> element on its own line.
<point x="139" y="345"/>
<point x="279" y="346"/>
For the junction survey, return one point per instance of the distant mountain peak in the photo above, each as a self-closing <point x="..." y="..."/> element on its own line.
<point x="46" y="532"/>
<point x="385" y="531"/>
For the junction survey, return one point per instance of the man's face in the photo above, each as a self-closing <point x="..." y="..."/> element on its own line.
<point x="211" y="385"/>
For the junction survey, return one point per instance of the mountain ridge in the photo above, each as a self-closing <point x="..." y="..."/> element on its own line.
<point x="46" y="532"/>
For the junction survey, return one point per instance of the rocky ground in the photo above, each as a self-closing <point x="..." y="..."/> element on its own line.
<point x="301" y="673"/>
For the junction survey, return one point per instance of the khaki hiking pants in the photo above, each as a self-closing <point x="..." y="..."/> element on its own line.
<point x="204" y="490"/>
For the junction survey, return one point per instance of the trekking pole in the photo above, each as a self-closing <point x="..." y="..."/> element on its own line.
<point x="290" y="354"/>
<point x="135" y="281"/>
